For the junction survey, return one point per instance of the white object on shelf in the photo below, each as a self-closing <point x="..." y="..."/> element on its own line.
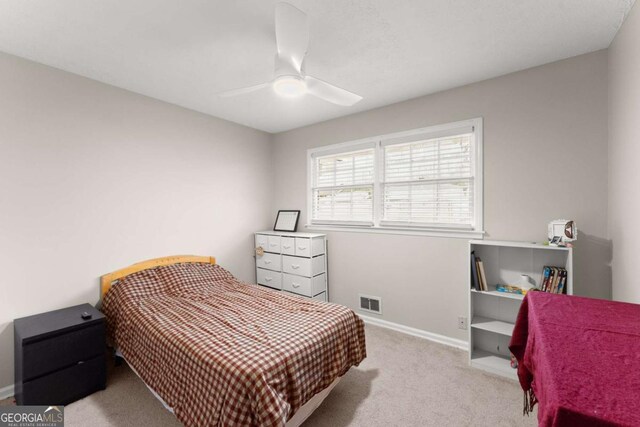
<point x="525" y="282"/>
<point x="562" y="231"/>
<point x="295" y="263"/>
<point x="492" y="313"/>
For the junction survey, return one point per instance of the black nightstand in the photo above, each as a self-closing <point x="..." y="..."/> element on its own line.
<point x="59" y="356"/>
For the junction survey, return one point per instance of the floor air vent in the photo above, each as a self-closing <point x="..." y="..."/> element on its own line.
<point x="372" y="304"/>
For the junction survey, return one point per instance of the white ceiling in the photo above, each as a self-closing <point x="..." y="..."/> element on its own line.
<point x="185" y="51"/>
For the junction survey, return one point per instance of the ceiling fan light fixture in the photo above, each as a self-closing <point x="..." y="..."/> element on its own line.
<point x="290" y="86"/>
<point x="291" y="81"/>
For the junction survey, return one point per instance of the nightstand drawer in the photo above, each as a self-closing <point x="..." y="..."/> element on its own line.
<point x="61" y="351"/>
<point x="67" y="385"/>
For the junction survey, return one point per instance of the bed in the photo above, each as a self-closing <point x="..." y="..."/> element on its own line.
<point x="217" y="351"/>
<point x="578" y="360"/>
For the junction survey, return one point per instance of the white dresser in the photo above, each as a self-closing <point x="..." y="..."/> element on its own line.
<point x="293" y="262"/>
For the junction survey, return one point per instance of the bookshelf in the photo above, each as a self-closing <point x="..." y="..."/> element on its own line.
<point x="492" y="314"/>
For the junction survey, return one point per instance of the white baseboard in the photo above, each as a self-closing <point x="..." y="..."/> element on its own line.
<point x="441" y="339"/>
<point x="6" y="392"/>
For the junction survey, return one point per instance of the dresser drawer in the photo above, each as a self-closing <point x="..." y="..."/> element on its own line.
<point x="303" y="266"/>
<point x="66" y="385"/>
<point x="269" y="278"/>
<point x="294" y="295"/>
<point x="269" y="261"/>
<point x="274" y="244"/>
<point x="317" y="247"/>
<point x="303" y="247"/>
<point x="288" y="245"/>
<point x="62" y="350"/>
<point x="319" y="284"/>
<point x="297" y="284"/>
<point x="297" y="266"/>
<point x="321" y="297"/>
<point x="262" y="241"/>
<point x="307" y="286"/>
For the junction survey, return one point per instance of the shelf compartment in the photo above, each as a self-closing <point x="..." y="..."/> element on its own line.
<point x="494" y="363"/>
<point x="492" y="325"/>
<point x="524" y="245"/>
<point x="499" y="294"/>
<point x="504" y="264"/>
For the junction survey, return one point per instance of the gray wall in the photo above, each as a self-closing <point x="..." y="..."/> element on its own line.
<point x="545" y="136"/>
<point x="94" y="178"/>
<point x="624" y="155"/>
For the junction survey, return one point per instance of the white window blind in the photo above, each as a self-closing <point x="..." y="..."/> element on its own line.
<point x="424" y="181"/>
<point x="343" y="187"/>
<point x="429" y="182"/>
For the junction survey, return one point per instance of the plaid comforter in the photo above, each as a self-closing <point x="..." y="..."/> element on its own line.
<point x="224" y="353"/>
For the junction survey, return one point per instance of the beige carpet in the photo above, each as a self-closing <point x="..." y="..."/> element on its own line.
<point x="404" y="381"/>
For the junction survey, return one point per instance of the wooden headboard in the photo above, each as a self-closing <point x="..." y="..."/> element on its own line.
<point x="107" y="280"/>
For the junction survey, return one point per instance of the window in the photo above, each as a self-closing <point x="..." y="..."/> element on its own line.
<point x="343" y="188"/>
<point x="424" y="181"/>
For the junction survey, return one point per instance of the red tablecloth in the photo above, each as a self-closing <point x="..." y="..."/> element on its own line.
<point x="579" y="360"/>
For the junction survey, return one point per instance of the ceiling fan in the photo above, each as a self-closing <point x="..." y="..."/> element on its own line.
<point x="292" y="39"/>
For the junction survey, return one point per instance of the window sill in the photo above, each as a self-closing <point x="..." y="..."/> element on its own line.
<point x="456" y="234"/>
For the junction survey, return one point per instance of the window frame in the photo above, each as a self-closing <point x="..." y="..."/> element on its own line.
<point x="475" y="232"/>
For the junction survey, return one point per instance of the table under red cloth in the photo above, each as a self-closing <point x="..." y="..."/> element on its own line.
<point x="579" y="360"/>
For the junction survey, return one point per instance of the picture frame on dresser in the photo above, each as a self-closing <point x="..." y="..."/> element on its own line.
<point x="287" y="220"/>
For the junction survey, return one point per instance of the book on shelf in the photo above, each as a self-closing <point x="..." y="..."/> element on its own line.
<point x="482" y="276"/>
<point x="475" y="283"/>
<point x="478" y="275"/>
<point x="554" y="280"/>
<point x="511" y="289"/>
<point x="546" y="271"/>
<point x="563" y="282"/>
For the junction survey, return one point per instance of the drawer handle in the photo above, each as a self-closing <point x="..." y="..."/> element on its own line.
<point x="295" y="285"/>
<point x="268" y="279"/>
<point x="81" y="362"/>
<point x="267" y="261"/>
<point x="286" y="246"/>
<point x="302" y="248"/>
<point x="295" y="266"/>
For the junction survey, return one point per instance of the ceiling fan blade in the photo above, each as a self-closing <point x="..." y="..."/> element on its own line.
<point x="330" y="93"/>
<point x="242" y="90"/>
<point x="292" y="34"/>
